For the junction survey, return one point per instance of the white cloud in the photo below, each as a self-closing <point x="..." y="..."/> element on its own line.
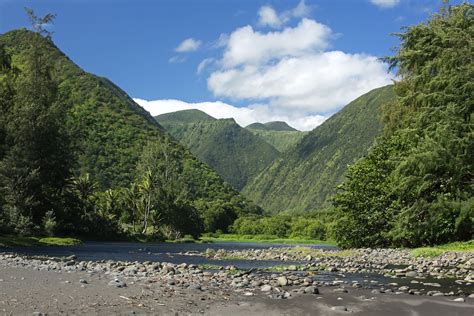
<point x="188" y="45"/>
<point x="246" y="46"/>
<point x="385" y="3"/>
<point x="242" y="115"/>
<point x="292" y="69"/>
<point x="317" y="83"/>
<point x="203" y="64"/>
<point x="267" y="16"/>
<point x="177" y="60"/>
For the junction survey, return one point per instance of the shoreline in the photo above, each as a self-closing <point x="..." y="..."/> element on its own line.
<point x="48" y="287"/>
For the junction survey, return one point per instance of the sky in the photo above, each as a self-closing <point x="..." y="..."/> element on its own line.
<point x="299" y="61"/>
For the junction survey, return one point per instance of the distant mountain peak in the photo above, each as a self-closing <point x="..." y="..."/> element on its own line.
<point x="185" y="116"/>
<point x="279" y="126"/>
<point x="272" y="126"/>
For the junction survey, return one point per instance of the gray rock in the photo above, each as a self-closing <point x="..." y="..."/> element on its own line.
<point x="404" y="288"/>
<point x="412" y="274"/>
<point x="340" y="290"/>
<point x="471" y="296"/>
<point x="339" y="308"/>
<point x="459" y="299"/>
<point x="117" y="283"/>
<point x="83" y="281"/>
<point x="282" y="281"/>
<point x="266" y="288"/>
<point x="194" y="287"/>
<point x="256" y="283"/>
<point x="432" y="284"/>
<point x="311" y="290"/>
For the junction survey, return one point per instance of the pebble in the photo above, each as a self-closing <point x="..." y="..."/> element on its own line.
<point x="340" y="290"/>
<point x="266" y="288"/>
<point x="339" y="308"/>
<point x="311" y="290"/>
<point x="282" y="281"/>
<point x="459" y="299"/>
<point x="117" y="283"/>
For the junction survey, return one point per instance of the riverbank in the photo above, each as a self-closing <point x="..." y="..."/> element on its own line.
<point x="262" y="239"/>
<point x="20" y="241"/>
<point x="396" y="263"/>
<point x="66" y="285"/>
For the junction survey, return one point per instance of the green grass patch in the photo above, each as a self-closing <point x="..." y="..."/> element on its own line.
<point x="262" y="239"/>
<point x="429" y="252"/>
<point x="19" y="241"/>
<point x="208" y="266"/>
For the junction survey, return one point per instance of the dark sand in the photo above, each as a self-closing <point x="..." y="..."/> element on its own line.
<point x="25" y="291"/>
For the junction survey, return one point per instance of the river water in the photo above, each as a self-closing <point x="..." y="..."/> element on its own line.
<point x="161" y="252"/>
<point x="174" y="253"/>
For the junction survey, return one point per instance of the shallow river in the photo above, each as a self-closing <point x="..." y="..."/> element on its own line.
<point x="173" y="253"/>
<point x="162" y="252"/>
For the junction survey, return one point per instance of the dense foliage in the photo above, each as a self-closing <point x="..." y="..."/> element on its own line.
<point x="306" y="176"/>
<point x="415" y="186"/>
<point x="317" y="226"/>
<point x="235" y="153"/>
<point x="80" y="157"/>
<point x="278" y="134"/>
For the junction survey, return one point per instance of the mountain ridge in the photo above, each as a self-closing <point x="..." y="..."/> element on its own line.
<point x="305" y="176"/>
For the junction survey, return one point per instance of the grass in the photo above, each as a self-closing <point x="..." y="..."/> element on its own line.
<point x="429" y="252"/>
<point x="262" y="239"/>
<point x="318" y="253"/>
<point x="19" y="241"/>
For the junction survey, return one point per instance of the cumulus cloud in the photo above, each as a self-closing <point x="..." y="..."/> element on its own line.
<point x="292" y="69"/>
<point x="289" y="73"/>
<point x="242" y="115"/>
<point x="247" y="46"/>
<point x="318" y="83"/>
<point x="188" y="45"/>
<point x="267" y="16"/>
<point x="385" y="3"/>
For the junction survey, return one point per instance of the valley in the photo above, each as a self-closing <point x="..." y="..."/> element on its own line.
<point x="289" y="178"/>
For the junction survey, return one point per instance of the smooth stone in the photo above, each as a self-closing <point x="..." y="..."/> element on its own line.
<point x="83" y="281"/>
<point x="339" y="308"/>
<point x="194" y="287"/>
<point x="266" y="288"/>
<point x="311" y="290"/>
<point x="282" y="281"/>
<point x="340" y="290"/>
<point x="117" y="283"/>
<point x="459" y="299"/>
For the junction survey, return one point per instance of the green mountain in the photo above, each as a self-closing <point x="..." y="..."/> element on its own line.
<point x="303" y="178"/>
<point x="234" y="152"/>
<point x="109" y="130"/>
<point x="271" y="126"/>
<point x="278" y="134"/>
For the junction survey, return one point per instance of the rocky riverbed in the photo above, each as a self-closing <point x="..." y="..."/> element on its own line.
<point x="388" y="262"/>
<point x="199" y="288"/>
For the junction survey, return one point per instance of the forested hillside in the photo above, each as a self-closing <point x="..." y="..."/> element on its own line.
<point x="77" y="152"/>
<point x="416" y="185"/>
<point x="278" y="134"/>
<point x="305" y="176"/>
<point x="236" y="154"/>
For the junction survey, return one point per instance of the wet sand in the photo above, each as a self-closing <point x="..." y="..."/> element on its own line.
<point x="24" y="292"/>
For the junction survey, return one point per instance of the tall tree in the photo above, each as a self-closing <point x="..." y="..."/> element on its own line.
<point x="425" y="194"/>
<point x="35" y="169"/>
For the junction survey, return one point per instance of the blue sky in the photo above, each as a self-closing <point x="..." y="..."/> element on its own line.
<point x="298" y="61"/>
